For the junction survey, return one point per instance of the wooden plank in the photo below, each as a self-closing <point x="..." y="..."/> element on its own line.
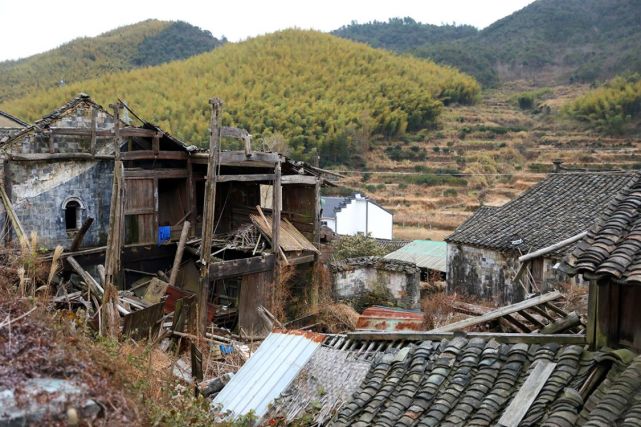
<point x="503" y="338"/>
<point x="543" y="313"/>
<point x="15" y="221"/>
<point x="143" y="323"/>
<point x="560" y="325"/>
<point x="591" y="327"/>
<point x="125" y="132"/>
<point x="526" y="395"/>
<point x="519" y="325"/>
<point x="155" y="144"/>
<point x="241" y="267"/>
<point x="533" y="320"/>
<point x="303" y="259"/>
<point x="277" y="196"/>
<point x="51" y="143"/>
<point x="555" y="309"/>
<point x="495" y="314"/>
<point x="38" y="157"/>
<point x="191" y="196"/>
<point x="317" y="213"/>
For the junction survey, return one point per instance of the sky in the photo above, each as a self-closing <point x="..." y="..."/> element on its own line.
<point x="33" y="26"/>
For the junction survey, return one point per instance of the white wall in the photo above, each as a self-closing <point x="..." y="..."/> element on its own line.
<point x="362" y="216"/>
<point x="379" y="222"/>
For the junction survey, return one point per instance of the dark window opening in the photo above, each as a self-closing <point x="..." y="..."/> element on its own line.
<point x="72" y="215"/>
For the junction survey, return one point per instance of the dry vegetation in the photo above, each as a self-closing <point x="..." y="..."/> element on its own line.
<point x="506" y="148"/>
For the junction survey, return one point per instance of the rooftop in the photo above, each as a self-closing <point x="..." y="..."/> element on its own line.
<point x="430" y="254"/>
<point x="559" y="207"/>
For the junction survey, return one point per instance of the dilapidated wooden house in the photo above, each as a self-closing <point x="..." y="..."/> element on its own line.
<point x="504" y="253"/>
<point x="58" y="178"/>
<point x="610" y="257"/>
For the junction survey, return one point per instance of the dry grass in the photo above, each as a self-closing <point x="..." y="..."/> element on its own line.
<point x="338" y="317"/>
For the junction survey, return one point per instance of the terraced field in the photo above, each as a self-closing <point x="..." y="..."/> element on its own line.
<point x="482" y="154"/>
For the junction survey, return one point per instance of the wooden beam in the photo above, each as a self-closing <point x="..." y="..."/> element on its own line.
<point x="495" y="314"/>
<point x="246" y="177"/>
<point x="503" y="338"/>
<point x="151" y="155"/>
<point x="241" y="267"/>
<point x="553" y="247"/>
<point x="317" y="213"/>
<point x="209" y="212"/>
<point x="11" y="213"/>
<point x="258" y="158"/>
<point x="179" y="253"/>
<point x="526" y="395"/>
<point x="80" y="234"/>
<point x="299" y="179"/>
<point x="156" y="173"/>
<point x="533" y="320"/>
<point x="191" y="196"/>
<point x="302" y="259"/>
<point x="124" y="132"/>
<point x="155" y="144"/>
<point x="560" y="325"/>
<point x="519" y="325"/>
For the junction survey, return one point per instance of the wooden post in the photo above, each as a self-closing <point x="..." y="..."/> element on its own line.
<point x="179" y="253"/>
<point x="209" y="212"/>
<point x="109" y="310"/>
<point x="276" y="202"/>
<point x="191" y="196"/>
<point x="317" y="213"/>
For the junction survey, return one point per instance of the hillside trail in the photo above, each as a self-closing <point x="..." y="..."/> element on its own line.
<point x="500" y="149"/>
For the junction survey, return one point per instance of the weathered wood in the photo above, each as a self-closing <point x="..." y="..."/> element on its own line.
<point x="156" y="173"/>
<point x="15" y="222"/>
<point x="555" y="309"/>
<point x="241" y="267"/>
<point x="533" y="320"/>
<point x="317" y="213"/>
<point x="552" y="248"/>
<point x="519" y="325"/>
<point x="276" y="207"/>
<point x="542" y="313"/>
<point x="155" y="144"/>
<point x="179" y="253"/>
<point x="303" y="259"/>
<point x="143" y="323"/>
<point x="80" y="234"/>
<point x="246" y="177"/>
<point x="524" y="398"/>
<point x="504" y="338"/>
<point x="209" y="211"/>
<point x="560" y="325"/>
<point x="258" y="159"/>
<point x="125" y="132"/>
<point x="51" y="143"/>
<point x="150" y="155"/>
<point x="191" y="196"/>
<point x="299" y="179"/>
<point x="86" y="277"/>
<point x="501" y="312"/>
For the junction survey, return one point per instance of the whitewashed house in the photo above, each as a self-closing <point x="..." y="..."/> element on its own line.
<point x="356" y="214"/>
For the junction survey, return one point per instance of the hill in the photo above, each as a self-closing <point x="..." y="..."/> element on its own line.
<point x="403" y="34"/>
<point x="146" y="43"/>
<point x="549" y="41"/>
<point x="322" y="94"/>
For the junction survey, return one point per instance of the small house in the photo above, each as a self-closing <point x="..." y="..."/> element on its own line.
<point x="504" y="253"/>
<point x="356" y="214"/>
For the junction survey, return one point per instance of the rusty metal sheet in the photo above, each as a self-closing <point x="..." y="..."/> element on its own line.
<point x="390" y="319"/>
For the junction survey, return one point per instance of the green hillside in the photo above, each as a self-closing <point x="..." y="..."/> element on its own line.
<point x="613" y="108"/>
<point x="403" y="34"/>
<point x="149" y="42"/>
<point x="320" y="93"/>
<point x="547" y="41"/>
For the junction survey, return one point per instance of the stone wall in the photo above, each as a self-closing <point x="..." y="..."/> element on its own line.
<point x="488" y="274"/>
<point x="356" y="278"/>
<point x="39" y="191"/>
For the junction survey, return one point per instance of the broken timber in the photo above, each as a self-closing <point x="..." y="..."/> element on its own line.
<point x="15" y="222"/>
<point x="501" y="312"/>
<point x="208" y="214"/>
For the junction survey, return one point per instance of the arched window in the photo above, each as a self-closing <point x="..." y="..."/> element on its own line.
<point x="72" y="215"/>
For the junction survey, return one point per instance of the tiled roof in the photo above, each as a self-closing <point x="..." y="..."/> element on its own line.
<point x="473" y="381"/>
<point x="18" y="122"/>
<point x="613" y="245"/>
<point x="559" y="207"/>
<point x="331" y="205"/>
<point x="376" y="262"/>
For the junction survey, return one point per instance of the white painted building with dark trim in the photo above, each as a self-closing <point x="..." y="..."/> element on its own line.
<point x="356" y="214"/>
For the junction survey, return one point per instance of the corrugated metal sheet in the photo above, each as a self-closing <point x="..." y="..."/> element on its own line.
<point x="390" y="319"/>
<point x="268" y="372"/>
<point x="429" y="254"/>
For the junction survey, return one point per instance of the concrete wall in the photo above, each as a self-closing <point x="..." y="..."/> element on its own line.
<point x="41" y="189"/>
<point x="488" y="274"/>
<point x="357" y="282"/>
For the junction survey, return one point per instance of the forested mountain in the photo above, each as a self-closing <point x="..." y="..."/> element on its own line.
<point x="319" y="92"/>
<point x="549" y="40"/>
<point x="146" y="43"/>
<point x="403" y="34"/>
